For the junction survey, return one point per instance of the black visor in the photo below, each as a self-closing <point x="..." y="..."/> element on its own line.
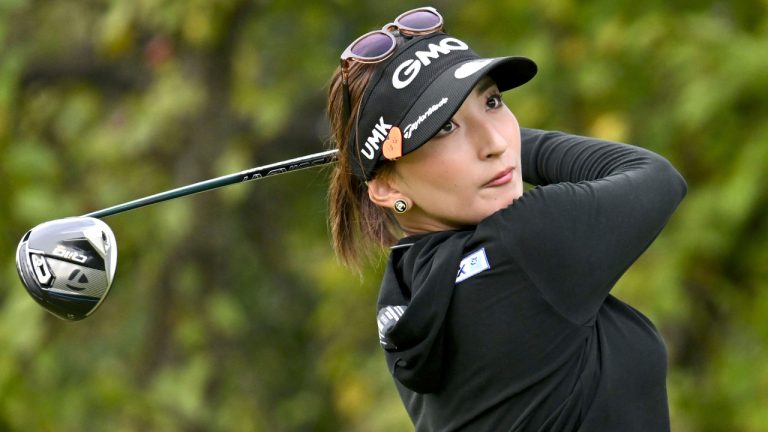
<point x="416" y="91"/>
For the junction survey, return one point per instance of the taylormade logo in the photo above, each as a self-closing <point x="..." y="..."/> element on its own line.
<point x="408" y="131"/>
<point x="409" y="69"/>
<point x="378" y="134"/>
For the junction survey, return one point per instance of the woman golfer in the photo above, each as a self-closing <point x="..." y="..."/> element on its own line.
<point x="495" y="311"/>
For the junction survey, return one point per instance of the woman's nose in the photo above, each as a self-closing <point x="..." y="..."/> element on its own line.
<point x="491" y="142"/>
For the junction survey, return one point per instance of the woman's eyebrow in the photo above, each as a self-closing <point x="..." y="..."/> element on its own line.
<point x="484" y="85"/>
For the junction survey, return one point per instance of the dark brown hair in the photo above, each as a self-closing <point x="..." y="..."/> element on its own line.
<point x="359" y="228"/>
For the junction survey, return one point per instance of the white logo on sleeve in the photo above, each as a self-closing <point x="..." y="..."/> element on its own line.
<point x="387" y="317"/>
<point x="472" y="264"/>
<point x="470" y="68"/>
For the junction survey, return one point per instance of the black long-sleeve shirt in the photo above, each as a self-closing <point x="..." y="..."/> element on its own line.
<point x="509" y="325"/>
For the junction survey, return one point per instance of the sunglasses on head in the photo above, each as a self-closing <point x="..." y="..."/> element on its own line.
<point x="378" y="45"/>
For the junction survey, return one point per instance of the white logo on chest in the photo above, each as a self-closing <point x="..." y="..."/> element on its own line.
<point x="472" y="264"/>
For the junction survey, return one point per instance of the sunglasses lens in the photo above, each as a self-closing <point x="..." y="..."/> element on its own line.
<point x="372" y="45"/>
<point x="419" y="20"/>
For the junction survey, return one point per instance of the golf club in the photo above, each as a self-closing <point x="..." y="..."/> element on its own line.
<point x="68" y="265"/>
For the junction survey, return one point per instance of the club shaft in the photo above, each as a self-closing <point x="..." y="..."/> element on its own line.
<point x="257" y="173"/>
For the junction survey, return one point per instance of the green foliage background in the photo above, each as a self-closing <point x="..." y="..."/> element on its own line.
<point x="230" y="312"/>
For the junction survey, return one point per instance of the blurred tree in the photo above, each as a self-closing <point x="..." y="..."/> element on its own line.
<point x="230" y="312"/>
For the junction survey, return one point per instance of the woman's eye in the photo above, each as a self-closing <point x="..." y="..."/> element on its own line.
<point x="447" y="128"/>
<point x="494" y="101"/>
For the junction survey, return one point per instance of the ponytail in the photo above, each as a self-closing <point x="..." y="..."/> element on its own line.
<point x="359" y="228"/>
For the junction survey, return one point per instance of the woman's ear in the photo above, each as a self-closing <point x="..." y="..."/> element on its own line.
<point x="383" y="192"/>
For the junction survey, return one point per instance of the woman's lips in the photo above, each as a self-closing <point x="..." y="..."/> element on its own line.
<point x="501" y="179"/>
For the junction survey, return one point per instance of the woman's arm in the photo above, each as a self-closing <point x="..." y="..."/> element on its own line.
<point x="598" y="206"/>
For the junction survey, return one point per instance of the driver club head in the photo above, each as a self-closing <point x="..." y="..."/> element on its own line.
<point x="68" y="265"/>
